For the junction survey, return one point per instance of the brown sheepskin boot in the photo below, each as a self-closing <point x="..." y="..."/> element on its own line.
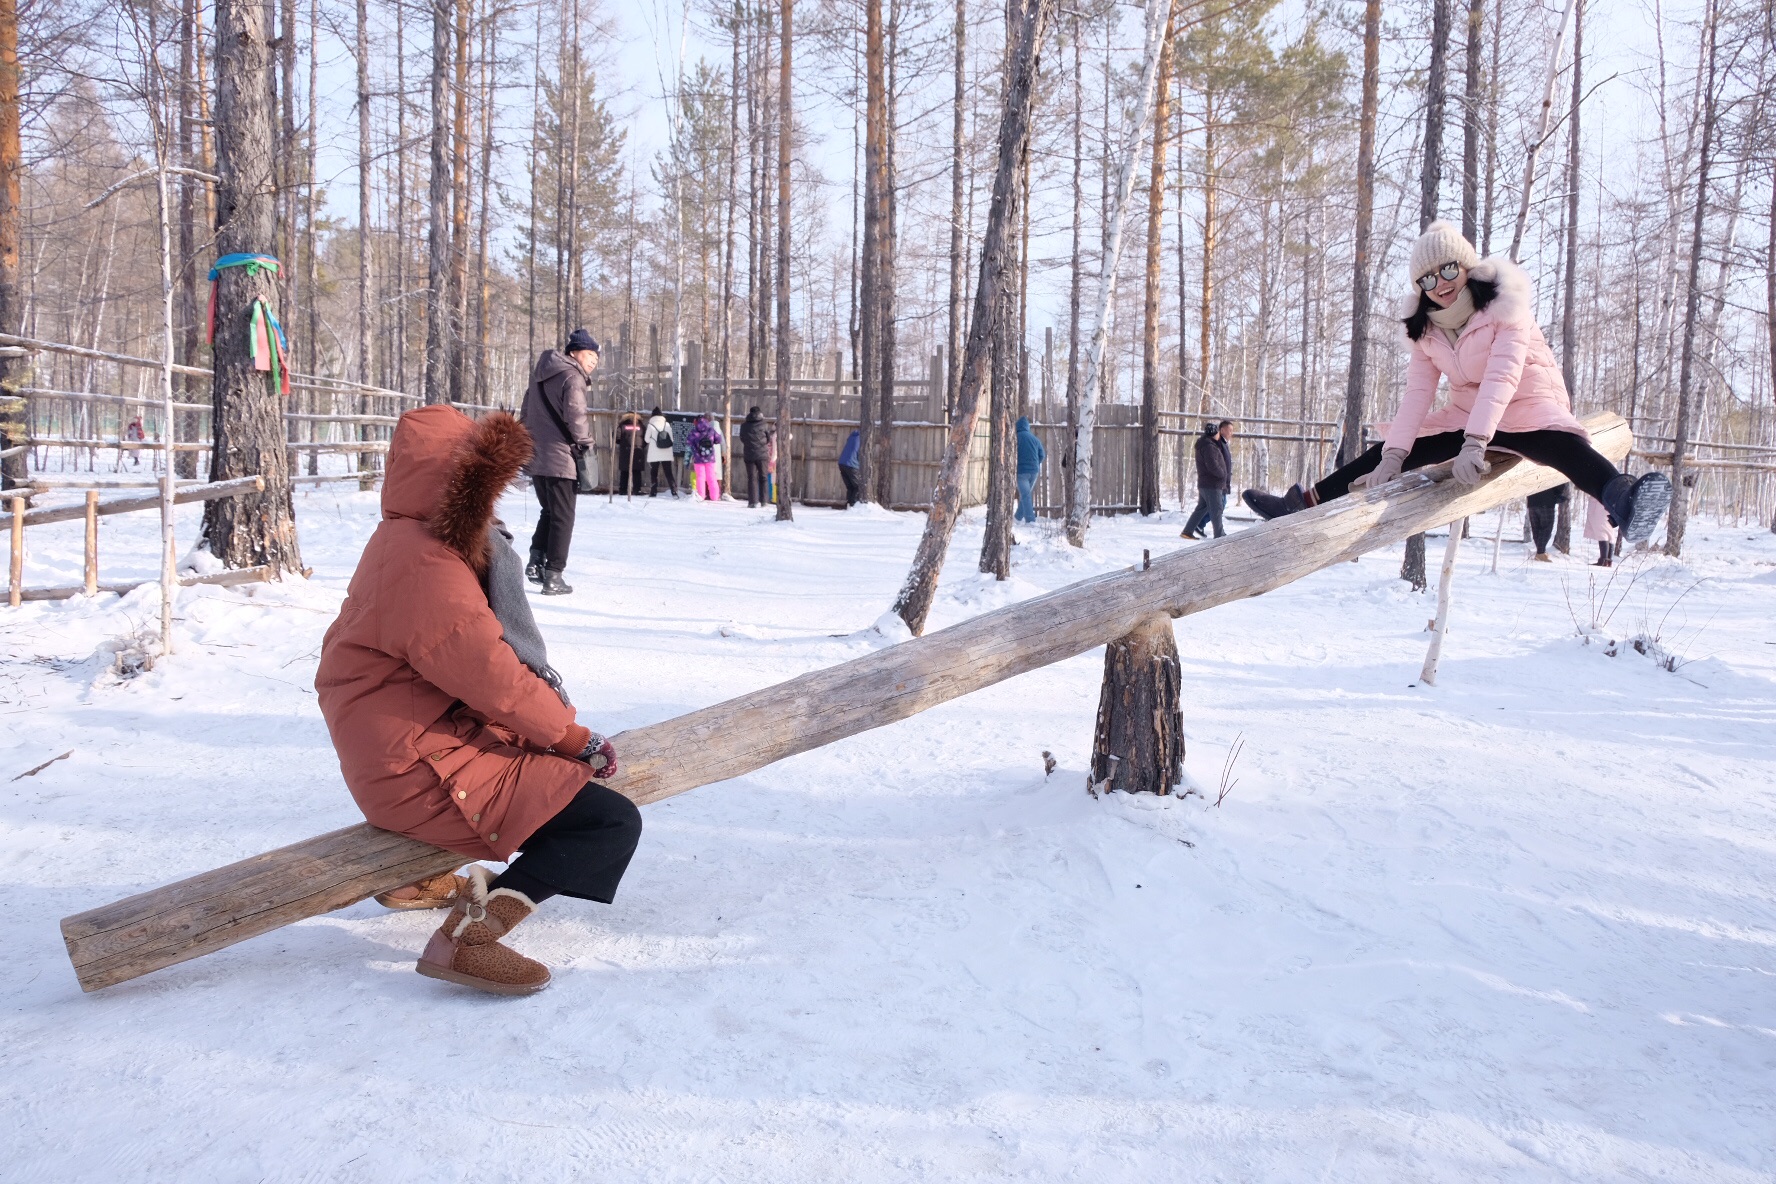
<point x="466" y="949"/>
<point x="438" y="892"/>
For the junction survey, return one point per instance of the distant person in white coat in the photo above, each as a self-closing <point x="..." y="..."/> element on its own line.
<point x="659" y="458"/>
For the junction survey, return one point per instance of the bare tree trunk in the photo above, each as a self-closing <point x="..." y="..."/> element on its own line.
<point x="484" y="220"/>
<point x="437" y="370"/>
<point x="875" y="181"/>
<point x="785" y="113"/>
<point x="1158" y="18"/>
<point x="1492" y="120"/>
<point x="1569" y="347"/>
<point x="913" y="604"/>
<point x="1471" y="124"/>
<point x="1541" y="136"/>
<point x="185" y="463"/>
<point x="1430" y="180"/>
<point x="953" y="341"/>
<point x="459" y="207"/>
<point x="257" y="528"/>
<point x="1350" y="443"/>
<point x="1069" y="458"/>
<point x="881" y="469"/>
<point x="364" y="165"/>
<point x="1149" y="497"/>
<point x="1680" y="497"/>
<point x="13" y="429"/>
<point x="728" y="246"/>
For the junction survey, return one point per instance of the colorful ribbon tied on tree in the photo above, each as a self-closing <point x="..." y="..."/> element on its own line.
<point x="266" y="343"/>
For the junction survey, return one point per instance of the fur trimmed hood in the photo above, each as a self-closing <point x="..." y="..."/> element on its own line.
<point x="449" y="471"/>
<point x="1500" y="288"/>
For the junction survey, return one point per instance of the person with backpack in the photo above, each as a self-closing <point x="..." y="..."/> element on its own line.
<point x="554" y="413"/>
<point x="849" y="456"/>
<point x="701" y="445"/>
<point x="755" y="449"/>
<point x="659" y="454"/>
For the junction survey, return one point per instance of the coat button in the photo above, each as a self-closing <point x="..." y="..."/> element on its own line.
<point x="476" y="818"/>
<point x="437" y="756"/>
<point x="494" y="837"/>
<point x="462" y="793"/>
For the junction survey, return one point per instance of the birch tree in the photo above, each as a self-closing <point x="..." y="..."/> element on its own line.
<point x="1158" y="19"/>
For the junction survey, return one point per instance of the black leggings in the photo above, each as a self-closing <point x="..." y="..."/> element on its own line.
<point x="662" y="469"/>
<point x="1569" y="452"/>
<point x="583" y="851"/>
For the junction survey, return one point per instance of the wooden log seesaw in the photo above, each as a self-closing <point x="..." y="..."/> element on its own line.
<point x="1129" y="611"/>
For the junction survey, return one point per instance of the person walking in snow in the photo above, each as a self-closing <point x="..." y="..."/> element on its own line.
<point x="659" y="454"/>
<point x="631" y="452"/>
<point x="849" y="473"/>
<point x="1031" y="454"/>
<point x="554" y="414"/>
<point x="1543" y="509"/>
<point x="1214" y="479"/>
<point x="1472" y="321"/>
<point x="701" y="445"/>
<point x="755" y="454"/>
<point x="450" y="725"/>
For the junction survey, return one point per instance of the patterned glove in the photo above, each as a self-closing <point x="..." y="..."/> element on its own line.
<point x="601" y="756"/>
<point x="1381" y="474"/>
<point x="1471" y="464"/>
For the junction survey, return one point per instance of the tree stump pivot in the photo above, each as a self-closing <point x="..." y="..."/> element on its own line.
<point x="1139" y="745"/>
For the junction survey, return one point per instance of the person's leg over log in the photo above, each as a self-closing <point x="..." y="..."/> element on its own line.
<point x="1139" y="745"/>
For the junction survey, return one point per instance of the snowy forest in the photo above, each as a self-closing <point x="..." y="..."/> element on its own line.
<point x="459" y="184"/>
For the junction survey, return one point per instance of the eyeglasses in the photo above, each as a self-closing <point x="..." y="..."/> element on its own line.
<point x="1448" y="272"/>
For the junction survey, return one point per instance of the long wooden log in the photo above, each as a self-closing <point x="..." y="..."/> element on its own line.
<point x="118" y="942"/>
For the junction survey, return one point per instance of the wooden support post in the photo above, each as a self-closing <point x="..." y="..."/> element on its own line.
<point x="16" y="587"/>
<point x="92" y="542"/>
<point x="120" y="941"/>
<point x="1139" y="745"/>
<point x="1428" y="675"/>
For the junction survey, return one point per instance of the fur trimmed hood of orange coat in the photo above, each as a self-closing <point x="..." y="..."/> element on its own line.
<point x="449" y="471"/>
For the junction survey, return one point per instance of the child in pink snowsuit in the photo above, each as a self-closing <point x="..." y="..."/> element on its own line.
<point x="702" y="442"/>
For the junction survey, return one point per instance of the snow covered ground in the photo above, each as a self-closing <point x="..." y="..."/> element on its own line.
<point x="1516" y="927"/>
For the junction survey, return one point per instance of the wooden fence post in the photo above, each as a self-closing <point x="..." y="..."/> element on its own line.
<point x="16" y="586"/>
<point x="1139" y="744"/>
<point x="1428" y="675"/>
<point x="92" y="542"/>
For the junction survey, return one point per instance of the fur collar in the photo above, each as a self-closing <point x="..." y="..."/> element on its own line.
<point x="1501" y="289"/>
<point x="484" y="463"/>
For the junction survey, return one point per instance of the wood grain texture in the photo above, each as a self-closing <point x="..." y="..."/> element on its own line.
<point x="159" y="928"/>
<point x="124" y="505"/>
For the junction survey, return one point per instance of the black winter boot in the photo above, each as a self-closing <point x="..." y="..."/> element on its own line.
<point x="1636" y="506"/>
<point x="533" y="570"/>
<point x="554" y="585"/>
<point x="1269" y="505"/>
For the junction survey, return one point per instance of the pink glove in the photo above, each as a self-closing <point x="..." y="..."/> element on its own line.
<point x="601" y="756"/>
<point x="1381" y="474"/>
<point x="1470" y="465"/>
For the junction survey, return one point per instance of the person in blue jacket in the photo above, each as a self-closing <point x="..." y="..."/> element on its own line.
<point x="1031" y="454"/>
<point x="848" y="468"/>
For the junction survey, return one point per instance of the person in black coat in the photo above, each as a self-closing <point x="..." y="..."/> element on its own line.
<point x="1544" y="509"/>
<point x="1214" y="479"/>
<point x="755" y="451"/>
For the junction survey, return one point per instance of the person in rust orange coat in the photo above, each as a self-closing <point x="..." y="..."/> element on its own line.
<point x="444" y="733"/>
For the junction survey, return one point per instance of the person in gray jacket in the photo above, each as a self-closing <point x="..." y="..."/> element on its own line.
<point x="554" y="413"/>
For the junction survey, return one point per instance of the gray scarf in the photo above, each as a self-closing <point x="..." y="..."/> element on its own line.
<point x="1451" y="319"/>
<point x="511" y="607"/>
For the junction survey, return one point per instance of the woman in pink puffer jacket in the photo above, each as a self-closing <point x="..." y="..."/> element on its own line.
<point x="1472" y="321"/>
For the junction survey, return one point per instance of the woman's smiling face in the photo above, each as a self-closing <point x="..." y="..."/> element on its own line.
<point x="1444" y="294"/>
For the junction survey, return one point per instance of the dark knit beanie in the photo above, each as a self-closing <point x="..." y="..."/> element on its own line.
<point x="580" y="339"/>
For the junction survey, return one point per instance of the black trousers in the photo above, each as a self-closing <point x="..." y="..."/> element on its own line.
<point x="758" y="482"/>
<point x="582" y="852"/>
<point x="853" y="484"/>
<point x="555" y="520"/>
<point x="1571" y="454"/>
<point x="1544" y="510"/>
<point x="658" y="469"/>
